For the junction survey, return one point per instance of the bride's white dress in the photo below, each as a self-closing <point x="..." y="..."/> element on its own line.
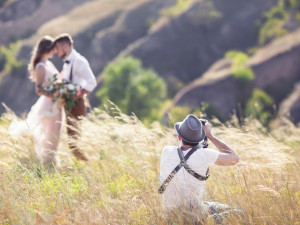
<point x="43" y="122"/>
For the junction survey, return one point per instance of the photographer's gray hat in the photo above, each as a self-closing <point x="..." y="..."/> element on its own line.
<point x="190" y="129"/>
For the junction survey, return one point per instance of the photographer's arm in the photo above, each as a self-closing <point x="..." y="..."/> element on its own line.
<point x="227" y="156"/>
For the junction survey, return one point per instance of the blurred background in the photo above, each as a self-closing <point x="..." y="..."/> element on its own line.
<point x="234" y="62"/>
<point x="164" y="59"/>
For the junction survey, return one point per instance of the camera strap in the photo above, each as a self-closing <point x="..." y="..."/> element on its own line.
<point x="183" y="164"/>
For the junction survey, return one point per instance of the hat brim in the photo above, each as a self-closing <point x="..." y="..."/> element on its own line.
<point x="177" y="126"/>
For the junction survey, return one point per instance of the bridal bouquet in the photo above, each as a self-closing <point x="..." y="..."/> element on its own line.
<point x="61" y="90"/>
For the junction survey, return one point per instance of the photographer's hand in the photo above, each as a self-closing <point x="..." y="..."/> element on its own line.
<point x="207" y="130"/>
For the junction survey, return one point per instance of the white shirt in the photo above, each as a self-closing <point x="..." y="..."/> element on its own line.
<point x="184" y="189"/>
<point x="82" y="73"/>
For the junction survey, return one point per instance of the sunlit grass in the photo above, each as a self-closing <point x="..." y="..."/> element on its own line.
<point x="119" y="184"/>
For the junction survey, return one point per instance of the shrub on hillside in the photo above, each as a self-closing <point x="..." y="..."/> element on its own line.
<point x="133" y="89"/>
<point x="259" y="106"/>
<point x="178" y="113"/>
<point x="273" y="28"/>
<point x="272" y="24"/>
<point x="8" y="60"/>
<point x="244" y="74"/>
<point x="294" y="3"/>
<point x="205" y="15"/>
<point x="177" y="8"/>
<point x="239" y="70"/>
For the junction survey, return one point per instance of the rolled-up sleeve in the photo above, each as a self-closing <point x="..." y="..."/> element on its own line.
<point x="211" y="155"/>
<point x="88" y="80"/>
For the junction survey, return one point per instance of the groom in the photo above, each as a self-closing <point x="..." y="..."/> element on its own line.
<point x="77" y="70"/>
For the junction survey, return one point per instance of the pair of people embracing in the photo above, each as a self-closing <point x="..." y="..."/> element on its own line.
<point x="44" y="121"/>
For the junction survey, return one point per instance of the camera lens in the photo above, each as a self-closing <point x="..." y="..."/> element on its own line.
<point x="203" y="122"/>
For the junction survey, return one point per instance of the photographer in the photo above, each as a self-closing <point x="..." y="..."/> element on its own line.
<point x="184" y="169"/>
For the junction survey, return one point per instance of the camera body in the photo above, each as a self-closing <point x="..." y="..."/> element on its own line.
<point x="205" y="143"/>
<point x="203" y="122"/>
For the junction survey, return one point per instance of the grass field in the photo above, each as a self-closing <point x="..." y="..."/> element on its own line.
<point x="119" y="184"/>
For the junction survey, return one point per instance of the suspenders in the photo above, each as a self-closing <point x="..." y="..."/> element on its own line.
<point x="71" y="73"/>
<point x="183" y="163"/>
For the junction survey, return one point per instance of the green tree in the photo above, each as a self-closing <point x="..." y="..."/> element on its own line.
<point x="133" y="89"/>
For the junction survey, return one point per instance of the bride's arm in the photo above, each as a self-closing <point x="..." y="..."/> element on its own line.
<point x="60" y="75"/>
<point x="40" y="76"/>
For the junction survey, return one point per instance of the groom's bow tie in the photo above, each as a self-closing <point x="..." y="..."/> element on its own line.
<point x="66" y="61"/>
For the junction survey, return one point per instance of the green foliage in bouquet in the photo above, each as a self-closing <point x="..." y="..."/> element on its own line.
<point x="61" y="90"/>
<point x="133" y="89"/>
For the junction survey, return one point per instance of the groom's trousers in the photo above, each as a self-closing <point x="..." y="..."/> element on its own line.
<point x="73" y="129"/>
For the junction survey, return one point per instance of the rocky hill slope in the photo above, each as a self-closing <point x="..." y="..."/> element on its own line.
<point x="23" y="17"/>
<point x="180" y="48"/>
<point x="290" y="107"/>
<point x="187" y="45"/>
<point x="99" y="36"/>
<point x="276" y="68"/>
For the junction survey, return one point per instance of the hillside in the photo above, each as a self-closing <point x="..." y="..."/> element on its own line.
<point x="276" y="70"/>
<point x="22" y="18"/>
<point x="119" y="185"/>
<point x="186" y="42"/>
<point x="181" y="47"/>
<point x="191" y="42"/>
<point x="290" y="107"/>
<point x="98" y="36"/>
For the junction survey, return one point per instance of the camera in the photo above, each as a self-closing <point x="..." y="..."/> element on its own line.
<point x="203" y="122"/>
<point x="205" y="141"/>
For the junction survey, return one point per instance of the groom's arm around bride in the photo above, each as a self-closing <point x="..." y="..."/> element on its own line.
<point x="77" y="70"/>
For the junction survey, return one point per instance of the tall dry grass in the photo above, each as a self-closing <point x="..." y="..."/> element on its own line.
<point x="119" y="184"/>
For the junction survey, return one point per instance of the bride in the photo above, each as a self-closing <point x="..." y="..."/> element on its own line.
<point x="45" y="117"/>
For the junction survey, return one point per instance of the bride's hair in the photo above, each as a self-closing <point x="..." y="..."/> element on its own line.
<point x="44" y="46"/>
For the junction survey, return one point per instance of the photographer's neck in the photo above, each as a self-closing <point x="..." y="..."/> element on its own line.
<point x="186" y="147"/>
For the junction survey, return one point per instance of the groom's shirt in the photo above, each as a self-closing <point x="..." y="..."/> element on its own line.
<point x="82" y="73"/>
